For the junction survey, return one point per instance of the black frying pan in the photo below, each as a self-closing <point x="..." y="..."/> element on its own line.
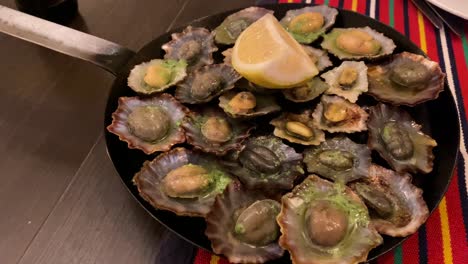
<point x="439" y="117"/>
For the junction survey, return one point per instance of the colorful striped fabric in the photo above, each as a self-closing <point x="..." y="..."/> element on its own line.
<point x="444" y="237"/>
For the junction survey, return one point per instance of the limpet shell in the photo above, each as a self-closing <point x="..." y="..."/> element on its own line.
<point x="304" y="118"/>
<point x="420" y="157"/>
<point x="296" y="221"/>
<point x="194" y="45"/>
<point x="409" y="210"/>
<point x="266" y="163"/>
<point x="322" y="61"/>
<point x="351" y="93"/>
<point x="194" y="126"/>
<point x="233" y="25"/>
<point x="427" y="84"/>
<point x="206" y="83"/>
<point x="223" y="231"/>
<point x="329" y="16"/>
<point x="354" y="116"/>
<point x="338" y="159"/>
<point x="227" y="53"/>
<point x="329" y="43"/>
<point x="137" y="75"/>
<point x="313" y="89"/>
<point x="265" y="104"/>
<point x="173" y="110"/>
<point x="149" y="181"/>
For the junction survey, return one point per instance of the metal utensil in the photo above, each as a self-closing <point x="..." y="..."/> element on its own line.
<point x="103" y="53"/>
<point x="453" y="22"/>
<point x="424" y="7"/>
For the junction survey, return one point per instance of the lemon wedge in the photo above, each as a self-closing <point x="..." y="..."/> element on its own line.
<point x="267" y="55"/>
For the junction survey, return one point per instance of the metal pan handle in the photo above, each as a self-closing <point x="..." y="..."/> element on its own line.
<point x="108" y="55"/>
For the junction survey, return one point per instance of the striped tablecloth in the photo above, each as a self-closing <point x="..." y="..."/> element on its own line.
<point x="444" y="237"/>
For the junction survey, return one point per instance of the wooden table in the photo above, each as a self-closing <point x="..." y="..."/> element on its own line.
<point x="61" y="201"/>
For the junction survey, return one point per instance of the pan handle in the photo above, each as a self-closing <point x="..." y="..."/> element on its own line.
<point x="108" y="55"/>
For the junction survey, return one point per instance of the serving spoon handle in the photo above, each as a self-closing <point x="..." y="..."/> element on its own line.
<point x="108" y="55"/>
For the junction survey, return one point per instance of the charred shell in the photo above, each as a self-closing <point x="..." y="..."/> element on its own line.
<point x="309" y="23"/>
<point x="242" y="226"/>
<point x="234" y="24"/>
<point x="150" y="124"/>
<point x="194" y="45"/>
<point x="396" y="206"/>
<point x="335" y="114"/>
<point x="246" y="105"/>
<point x="212" y="131"/>
<point x="266" y="163"/>
<point x="182" y="181"/>
<point x="206" y="83"/>
<point x="406" y="79"/>
<point x="399" y="140"/>
<point x="322" y="222"/>
<point x="338" y="159"/>
<point x="298" y="128"/>
<point x="348" y="80"/>
<point x="156" y="75"/>
<point x="357" y="43"/>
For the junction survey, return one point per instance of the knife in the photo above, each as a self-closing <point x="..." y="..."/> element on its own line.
<point x="455" y="23"/>
<point x="428" y="12"/>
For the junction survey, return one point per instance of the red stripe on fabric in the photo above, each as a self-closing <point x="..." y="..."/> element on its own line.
<point x="462" y="68"/>
<point x="399" y="16"/>
<point x="319" y="2"/>
<point x="431" y="41"/>
<point x="453" y="203"/>
<point x="333" y="3"/>
<point x="386" y="259"/>
<point x="202" y="257"/>
<point x="433" y="225"/>
<point x="434" y="239"/>
<point x="361" y="6"/>
<point x="457" y="226"/>
<point x="411" y="250"/>
<point x="413" y="23"/>
<point x="383" y="11"/>
<point x="347" y="4"/>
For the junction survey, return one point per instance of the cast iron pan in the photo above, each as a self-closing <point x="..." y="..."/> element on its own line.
<point x="439" y="117"/>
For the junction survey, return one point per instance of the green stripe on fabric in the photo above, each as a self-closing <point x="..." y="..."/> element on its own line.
<point x="465" y="47"/>
<point x="391" y="12"/>
<point x="326" y="2"/>
<point x="398" y="255"/>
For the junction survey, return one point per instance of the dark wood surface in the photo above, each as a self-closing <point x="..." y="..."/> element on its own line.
<point x="61" y="200"/>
